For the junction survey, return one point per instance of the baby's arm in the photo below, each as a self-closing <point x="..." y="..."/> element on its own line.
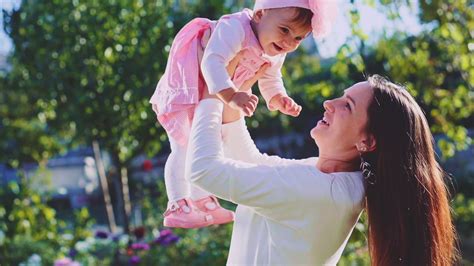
<point x="224" y="44"/>
<point x="265" y="188"/>
<point x="273" y="90"/>
<point x="285" y="105"/>
<point x="236" y="138"/>
<point x="245" y="102"/>
<point x="271" y="83"/>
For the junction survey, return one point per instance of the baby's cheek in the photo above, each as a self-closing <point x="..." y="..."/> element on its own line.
<point x="296" y="47"/>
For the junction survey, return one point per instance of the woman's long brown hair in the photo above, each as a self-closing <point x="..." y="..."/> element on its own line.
<point x="407" y="200"/>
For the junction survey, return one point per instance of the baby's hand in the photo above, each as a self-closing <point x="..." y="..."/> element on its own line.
<point x="244" y="102"/>
<point x="285" y="105"/>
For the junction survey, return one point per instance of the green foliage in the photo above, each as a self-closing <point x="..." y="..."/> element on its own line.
<point x="437" y="67"/>
<point x="84" y="71"/>
<point x="463" y="209"/>
<point x="206" y="246"/>
<point x="24" y="135"/>
<point x="356" y="251"/>
<point x="88" y="69"/>
<point x="27" y="224"/>
<point x="80" y="81"/>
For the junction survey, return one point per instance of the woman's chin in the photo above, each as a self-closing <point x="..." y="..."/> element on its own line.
<point x="319" y="134"/>
<point x="314" y="133"/>
<point x="320" y="127"/>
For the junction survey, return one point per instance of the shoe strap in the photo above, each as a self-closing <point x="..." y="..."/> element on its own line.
<point x="173" y="206"/>
<point x="210" y="205"/>
<point x="213" y="204"/>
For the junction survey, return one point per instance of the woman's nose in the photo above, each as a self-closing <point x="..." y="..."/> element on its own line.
<point x="329" y="106"/>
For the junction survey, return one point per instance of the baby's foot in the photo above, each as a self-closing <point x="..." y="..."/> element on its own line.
<point x="210" y="205"/>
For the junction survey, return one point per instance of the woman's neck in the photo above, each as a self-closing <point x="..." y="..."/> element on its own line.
<point x="331" y="165"/>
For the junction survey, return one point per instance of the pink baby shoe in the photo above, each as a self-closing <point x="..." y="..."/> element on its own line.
<point x="210" y="205"/>
<point x="184" y="214"/>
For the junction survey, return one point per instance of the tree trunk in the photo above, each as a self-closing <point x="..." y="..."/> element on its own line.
<point x="127" y="205"/>
<point x="124" y="202"/>
<point x="105" y="187"/>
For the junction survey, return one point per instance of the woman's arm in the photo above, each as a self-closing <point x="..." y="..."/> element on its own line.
<point x="267" y="189"/>
<point x="239" y="145"/>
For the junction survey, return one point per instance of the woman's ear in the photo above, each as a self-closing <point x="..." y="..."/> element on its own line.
<point x="370" y="143"/>
<point x="367" y="145"/>
<point x="257" y="15"/>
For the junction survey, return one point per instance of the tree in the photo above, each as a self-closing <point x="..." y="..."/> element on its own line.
<point x="436" y="66"/>
<point x="89" y="69"/>
<point x="83" y="72"/>
<point x="27" y="225"/>
<point x="24" y="134"/>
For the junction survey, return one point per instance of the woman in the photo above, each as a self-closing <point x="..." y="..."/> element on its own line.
<point x="303" y="211"/>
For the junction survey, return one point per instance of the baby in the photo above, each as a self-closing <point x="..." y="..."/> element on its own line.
<point x="198" y="58"/>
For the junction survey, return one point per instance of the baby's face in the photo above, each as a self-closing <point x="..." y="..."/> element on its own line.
<point x="277" y="31"/>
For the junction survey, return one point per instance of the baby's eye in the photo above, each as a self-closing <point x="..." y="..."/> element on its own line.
<point x="298" y="39"/>
<point x="284" y="30"/>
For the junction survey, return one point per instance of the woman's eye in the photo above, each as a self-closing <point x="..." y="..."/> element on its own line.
<point x="348" y="106"/>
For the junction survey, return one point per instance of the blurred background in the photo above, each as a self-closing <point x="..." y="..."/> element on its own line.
<point x="81" y="154"/>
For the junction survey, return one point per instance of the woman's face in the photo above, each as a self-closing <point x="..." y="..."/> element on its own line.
<point x="345" y="120"/>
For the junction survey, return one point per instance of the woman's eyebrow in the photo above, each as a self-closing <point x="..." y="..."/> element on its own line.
<point x="350" y="99"/>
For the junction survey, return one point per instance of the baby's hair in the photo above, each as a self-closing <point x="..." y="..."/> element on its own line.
<point x="302" y="17"/>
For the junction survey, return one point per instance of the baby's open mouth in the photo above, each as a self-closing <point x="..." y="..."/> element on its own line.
<point x="278" y="48"/>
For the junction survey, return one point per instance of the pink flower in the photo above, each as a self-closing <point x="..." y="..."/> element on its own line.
<point x="140" y="246"/>
<point x="66" y="262"/>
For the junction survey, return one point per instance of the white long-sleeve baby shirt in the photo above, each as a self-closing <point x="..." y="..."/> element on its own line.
<point x="289" y="212"/>
<point x="233" y="34"/>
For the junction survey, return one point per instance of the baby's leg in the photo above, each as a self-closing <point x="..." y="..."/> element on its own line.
<point x="183" y="196"/>
<point x="197" y="193"/>
<point x="177" y="187"/>
<point x="181" y="211"/>
<point x="209" y="204"/>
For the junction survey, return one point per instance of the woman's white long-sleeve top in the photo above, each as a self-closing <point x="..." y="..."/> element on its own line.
<point x="289" y="212"/>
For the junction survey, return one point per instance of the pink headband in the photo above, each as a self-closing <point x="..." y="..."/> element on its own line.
<point x="324" y="11"/>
